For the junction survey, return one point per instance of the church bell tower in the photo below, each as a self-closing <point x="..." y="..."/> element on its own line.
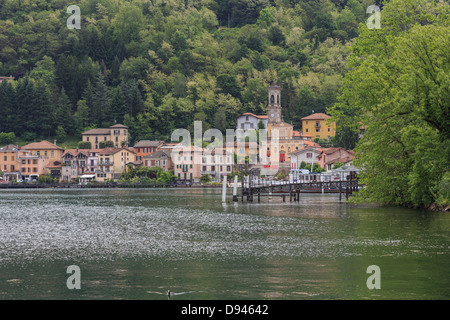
<point x="274" y="106"/>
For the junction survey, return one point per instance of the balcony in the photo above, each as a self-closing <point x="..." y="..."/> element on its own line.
<point x="106" y="163"/>
<point x="211" y="173"/>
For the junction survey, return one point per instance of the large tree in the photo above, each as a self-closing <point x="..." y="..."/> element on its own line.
<point x="399" y="87"/>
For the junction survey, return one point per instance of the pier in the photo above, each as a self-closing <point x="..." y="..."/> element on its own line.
<point x="254" y="189"/>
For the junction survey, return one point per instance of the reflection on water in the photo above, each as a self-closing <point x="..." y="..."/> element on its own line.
<point x="137" y="244"/>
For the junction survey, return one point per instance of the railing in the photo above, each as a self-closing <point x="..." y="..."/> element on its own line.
<point x="109" y="163"/>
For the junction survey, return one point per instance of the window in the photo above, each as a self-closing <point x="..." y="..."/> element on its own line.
<point x="329" y="130"/>
<point x="306" y="130"/>
<point x="246" y="118"/>
<point x="53" y="153"/>
<point x="87" y="138"/>
<point x="4" y="158"/>
<point x="317" y="130"/>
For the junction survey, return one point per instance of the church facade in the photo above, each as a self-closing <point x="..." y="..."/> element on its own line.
<point x="289" y="139"/>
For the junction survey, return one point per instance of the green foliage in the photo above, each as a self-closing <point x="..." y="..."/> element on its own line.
<point x="160" y="65"/>
<point x="398" y="86"/>
<point x="337" y="165"/>
<point x="206" y="178"/>
<point x="45" y="179"/>
<point x="60" y="134"/>
<point x="7" y="138"/>
<point x="106" y="144"/>
<point x="84" y="145"/>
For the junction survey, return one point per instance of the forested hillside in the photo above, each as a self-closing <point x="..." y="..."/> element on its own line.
<point x="157" y="65"/>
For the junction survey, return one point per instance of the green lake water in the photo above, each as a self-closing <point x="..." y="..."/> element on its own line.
<point x="139" y="243"/>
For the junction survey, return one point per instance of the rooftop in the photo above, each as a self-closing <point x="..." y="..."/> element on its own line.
<point x="103" y="131"/>
<point x="148" y="143"/>
<point x="316" y="116"/>
<point x="9" y="147"/>
<point x="43" y="145"/>
<point x="254" y="115"/>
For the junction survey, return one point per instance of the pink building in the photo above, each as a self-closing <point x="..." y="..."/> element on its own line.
<point x="329" y="156"/>
<point x="187" y="162"/>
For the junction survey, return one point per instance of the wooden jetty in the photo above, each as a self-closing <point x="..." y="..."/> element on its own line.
<point x="256" y="188"/>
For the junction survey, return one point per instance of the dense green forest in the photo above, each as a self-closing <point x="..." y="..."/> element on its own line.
<point x="157" y="65"/>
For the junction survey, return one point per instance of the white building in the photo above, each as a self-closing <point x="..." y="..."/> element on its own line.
<point x="309" y="155"/>
<point x="217" y="162"/>
<point x="250" y="121"/>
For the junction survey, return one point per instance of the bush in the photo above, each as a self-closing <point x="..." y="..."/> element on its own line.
<point x="7" y="138"/>
<point x="45" y="179"/>
<point x="84" y="145"/>
<point x="106" y="144"/>
<point x="205" y="178"/>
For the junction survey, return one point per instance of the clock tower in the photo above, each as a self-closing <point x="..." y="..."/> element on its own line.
<point x="274" y="107"/>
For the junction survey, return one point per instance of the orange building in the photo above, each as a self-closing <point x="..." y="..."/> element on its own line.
<point x="145" y="147"/>
<point x="51" y="155"/>
<point x="9" y="164"/>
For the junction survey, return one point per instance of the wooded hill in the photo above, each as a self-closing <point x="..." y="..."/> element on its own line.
<point x="158" y="65"/>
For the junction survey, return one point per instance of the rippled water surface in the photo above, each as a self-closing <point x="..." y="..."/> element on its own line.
<point x="138" y="243"/>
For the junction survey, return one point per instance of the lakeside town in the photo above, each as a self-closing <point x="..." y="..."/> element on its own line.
<point x="104" y="154"/>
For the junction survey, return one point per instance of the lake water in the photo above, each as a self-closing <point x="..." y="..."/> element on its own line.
<point x="139" y="243"/>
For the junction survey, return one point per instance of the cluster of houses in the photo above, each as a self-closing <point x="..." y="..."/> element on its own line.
<point x="109" y="155"/>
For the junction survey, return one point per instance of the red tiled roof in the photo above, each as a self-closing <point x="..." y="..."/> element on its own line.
<point x="43" y="145"/>
<point x="317" y="116"/>
<point x="75" y="152"/>
<point x="103" y="131"/>
<point x="254" y="115"/>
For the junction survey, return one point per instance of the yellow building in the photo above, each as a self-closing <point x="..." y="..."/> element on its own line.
<point x="112" y="162"/>
<point x="316" y="125"/>
<point x="117" y="133"/>
<point x="50" y="152"/>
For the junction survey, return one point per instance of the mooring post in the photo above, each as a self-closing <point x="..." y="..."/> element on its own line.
<point x="340" y="190"/>
<point x="235" y="188"/>
<point x="270" y="189"/>
<point x="224" y="189"/>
